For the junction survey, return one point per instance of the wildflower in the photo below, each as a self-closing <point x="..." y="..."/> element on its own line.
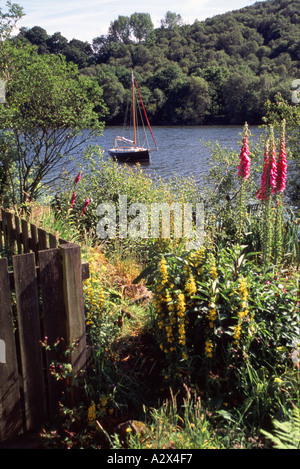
<point x="191" y="286"/>
<point x="212" y="316"/>
<point x="262" y="193"/>
<point x="209" y="348"/>
<point x="269" y="176"/>
<point x="73" y="199"/>
<point x="244" y="167"/>
<point x="273" y="168"/>
<point x="237" y="330"/>
<point x="85" y="205"/>
<point x="243" y="292"/>
<point x="198" y="256"/>
<point x="213" y="269"/>
<point x="169" y="302"/>
<point x="78" y="177"/>
<point x="181" y="305"/>
<point x="184" y="356"/>
<point x="92" y="414"/>
<point x="163" y="270"/>
<point x="181" y="332"/>
<point x="281" y="163"/>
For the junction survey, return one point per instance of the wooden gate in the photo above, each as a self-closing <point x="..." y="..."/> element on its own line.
<point x="41" y="300"/>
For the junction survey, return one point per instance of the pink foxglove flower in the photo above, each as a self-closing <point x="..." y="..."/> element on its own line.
<point x="262" y="193"/>
<point x="244" y="166"/>
<point x="73" y="199"/>
<point x="273" y="169"/>
<point x="281" y="164"/>
<point x="85" y="205"/>
<point x="78" y="177"/>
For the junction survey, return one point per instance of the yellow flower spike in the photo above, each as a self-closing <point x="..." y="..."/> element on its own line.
<point x="209" y="348"/>
<point x="181" y="305"/>
<point x="163" y="270"/>
<point x="191" y="286"/>
<point x="92" y="414"/>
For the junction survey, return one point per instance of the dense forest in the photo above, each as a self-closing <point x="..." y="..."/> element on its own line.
<point x="221" y="70"/>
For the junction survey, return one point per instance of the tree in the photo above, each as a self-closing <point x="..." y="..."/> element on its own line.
<point x="141" y="25"/>
<point x="171" y="20"/>
<point x="195" y="103"/>
<point x="78" y="52"/>
<point x="119" y="29"/>
<point x="138" y="26"/>
<point x="36" y="35"/>
<point x="9" y="20"/>
<point x="57" y="43"/>
<point x="51" y="110"/>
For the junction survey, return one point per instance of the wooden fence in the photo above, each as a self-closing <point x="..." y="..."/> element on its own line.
<point x="41" y="296"/>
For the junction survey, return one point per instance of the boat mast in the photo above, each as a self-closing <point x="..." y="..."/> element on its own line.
<point x="145" y="112"/>
<point x="133" y="109"/>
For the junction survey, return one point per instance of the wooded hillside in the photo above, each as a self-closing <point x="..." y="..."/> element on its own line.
<point x="221" y="70"/>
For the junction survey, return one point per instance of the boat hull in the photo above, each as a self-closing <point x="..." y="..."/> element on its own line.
<point x="130" y="156"/>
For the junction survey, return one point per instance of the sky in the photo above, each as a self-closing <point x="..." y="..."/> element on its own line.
<point x="87" y="19"/>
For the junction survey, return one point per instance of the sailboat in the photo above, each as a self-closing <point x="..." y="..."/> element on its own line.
<point x="129" y="150"/>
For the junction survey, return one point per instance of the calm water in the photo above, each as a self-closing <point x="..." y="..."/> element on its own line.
<point x="182" y="150"/>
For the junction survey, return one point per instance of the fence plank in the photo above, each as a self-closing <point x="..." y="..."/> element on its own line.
<point x="1" y="231"/>
<point x="42" y="242"/>
<point x="33" y="244"/>
<point x="10" y="404"/>
<point x="54" y="318"/>
<point x="52" y="241"/>
<point x="29" y="337"/>
<point x="18" y="234"/>
<point x="4" y="226"/>
<point x="25" y="237"/>
<point x="74" y="305"/>
<point x="10" y="232"/>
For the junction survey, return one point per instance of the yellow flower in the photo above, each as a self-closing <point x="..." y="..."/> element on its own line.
<point x="181" y="305"/>
<point x="163" y="270"/>
<point x="92" y="414"/>
<point x="191" y="286"/>
<point x="209" y="348"/>
<point x="169" y="301"/>
<point x="197" y="257"/>
<point x="237" y="330"/>
<point x="213" y="269"/>
<point x="103" y="400"/>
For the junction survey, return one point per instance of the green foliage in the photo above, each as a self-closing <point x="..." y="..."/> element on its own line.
<point x="287" y="433"/>
<point x="105" y="181"/>
<point x="48" y="106"/>
<point x="221" y="322"/>
<point x="277" y="111"/>
<point x="245" y="57"/>
<point x="9" y="19"/>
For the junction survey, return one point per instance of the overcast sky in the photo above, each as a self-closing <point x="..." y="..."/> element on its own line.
<point x="88" y="19"/>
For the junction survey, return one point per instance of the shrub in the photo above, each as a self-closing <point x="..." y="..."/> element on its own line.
<point x="218" y="313"/>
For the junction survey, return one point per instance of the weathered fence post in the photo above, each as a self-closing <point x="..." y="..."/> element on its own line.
<point x="48" y="291"/>
<point x="29" y="328"/>
<point x="10" y="404"/>
<point x="54" y="320"/>
<point x="74" y="306"/>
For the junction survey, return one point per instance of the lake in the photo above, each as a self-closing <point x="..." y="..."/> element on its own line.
<point x="182" y="149"/>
